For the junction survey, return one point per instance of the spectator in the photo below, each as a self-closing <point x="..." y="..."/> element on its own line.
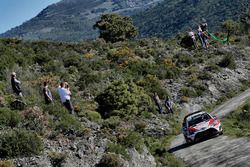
<point x="47" y="94"/>
<point x="64" y="93"/>
<point x="158" y="103"/>
<point x="16" y="85"/>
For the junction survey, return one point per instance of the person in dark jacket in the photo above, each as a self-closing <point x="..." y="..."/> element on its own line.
<point x="15" y="83"/>
<point x="47" y="94"/>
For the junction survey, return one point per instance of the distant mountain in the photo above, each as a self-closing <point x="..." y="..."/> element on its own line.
<point x="72" y="20"/>
<point x="173" y="16"/>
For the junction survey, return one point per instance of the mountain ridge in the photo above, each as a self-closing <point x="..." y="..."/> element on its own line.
<point x="70" y="20"/>
<point x="73" y="20"/>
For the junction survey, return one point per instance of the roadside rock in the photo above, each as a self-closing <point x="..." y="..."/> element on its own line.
<point x="145" y="159"/>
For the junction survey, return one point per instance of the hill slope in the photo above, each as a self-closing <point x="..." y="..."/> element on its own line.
<point x="171" y="17"/>
<point x="72" y="20"/>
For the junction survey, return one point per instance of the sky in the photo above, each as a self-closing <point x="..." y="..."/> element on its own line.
<point x="15" y="12"/>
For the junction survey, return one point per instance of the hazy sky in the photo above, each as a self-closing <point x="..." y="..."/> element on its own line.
<point x="15" y="12"/>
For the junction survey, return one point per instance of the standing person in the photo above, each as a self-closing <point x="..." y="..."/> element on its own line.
<point x="47" y="94"/>
<point x="169" y="105"/>
<point x="192" y="36"/>
<point x="200" y="35"/>
<point x="158" y="103"/>
<point x="15" y="83"/>
<point x="204" y="30"/>
<point x="64" y="93"/>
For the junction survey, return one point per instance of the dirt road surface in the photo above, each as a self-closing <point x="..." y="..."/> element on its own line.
<point x="221" y="151"/>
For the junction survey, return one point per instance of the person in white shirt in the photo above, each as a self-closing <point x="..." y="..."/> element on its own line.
<point x="64" y="93"/>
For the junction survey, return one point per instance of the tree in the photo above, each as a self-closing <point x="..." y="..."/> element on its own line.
<point x="114" y="28"/>
<point x="231" y="27"/>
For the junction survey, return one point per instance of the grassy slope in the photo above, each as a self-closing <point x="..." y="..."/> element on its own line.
<point x="237" y="124"/>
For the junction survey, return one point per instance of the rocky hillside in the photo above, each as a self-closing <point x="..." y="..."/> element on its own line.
<point x="116" y="122"/>
<point x="73" y="20"/>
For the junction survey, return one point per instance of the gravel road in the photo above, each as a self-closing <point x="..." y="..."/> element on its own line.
<point x="221" y="151"/>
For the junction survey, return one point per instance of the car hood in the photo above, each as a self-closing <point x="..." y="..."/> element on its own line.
<point x="202" y="125"/>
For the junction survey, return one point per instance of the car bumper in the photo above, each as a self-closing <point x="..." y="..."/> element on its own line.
<point x="205" y="133"/>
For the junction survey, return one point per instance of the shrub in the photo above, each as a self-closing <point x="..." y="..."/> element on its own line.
<point x="110" y="160"/>
<point x="205" y="76"/>
<point x="20" y="143"/>
<point x="212" y="68"/>
<point x="57" y="159"/>
<point x="140" y="126"/>
<point x="63" y="121"/>
<point x="69" y="124"/>
<point x="35" y="119"/>
<point x="112" y="122"/>
<point x="227" y="61"/>
<point x="188" y="92"/>
<point x="121" y="55"/>
<point x="122" y="99"/>
<point x="118" y="149"/>
<point x="131" y="140"/>
<point x="152" y="84"/>
<point x="92" y="115"/>
<point x="184" y="60"/>
<point x="6" y="163"/>
<point x="9" y="117"/>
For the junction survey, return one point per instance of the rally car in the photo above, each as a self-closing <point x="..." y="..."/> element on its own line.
<point x="200" y="125"/>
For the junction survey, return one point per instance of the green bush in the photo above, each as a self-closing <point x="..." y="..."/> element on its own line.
<point x="92" y="115"/>
<point x="20" y="143"/>
<point x="184" y="60"/>
<point x="188" y="92"/>
<point x="118" y="149"/>
<point x="227" y="61"/>
<point x="35" y="119"/>
<point x="152" y="84"/>
<point x="111" y="160"/>
<point x="132" y="140"/>
<point x="112" y="122"/>
<point x="64" y="122"/>
<point x="123" y="99"/>
<point x="212" y="67"/>
<point x="69" y="124"/>
<point x="9" y="117"/>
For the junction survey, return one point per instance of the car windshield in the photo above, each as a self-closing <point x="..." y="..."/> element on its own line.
<point x="198" y="119"/>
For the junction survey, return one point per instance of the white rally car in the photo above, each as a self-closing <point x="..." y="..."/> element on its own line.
<point x="200" y="125"/>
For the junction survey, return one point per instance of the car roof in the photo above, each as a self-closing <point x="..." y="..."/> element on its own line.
<point x="193" y="114"/>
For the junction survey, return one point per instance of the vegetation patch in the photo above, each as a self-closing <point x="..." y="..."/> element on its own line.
<point x="9" y="118"/>
<point x="20" y="143"/>
<point x="111" y="160"/>
<point x="238" y="122"/>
